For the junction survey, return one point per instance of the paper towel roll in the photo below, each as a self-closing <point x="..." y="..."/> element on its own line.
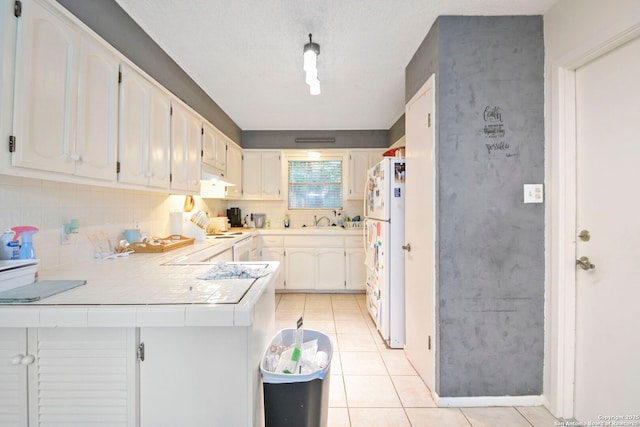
<point x="176" y="220"/>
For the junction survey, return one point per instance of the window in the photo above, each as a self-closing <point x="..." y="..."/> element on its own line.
<point x="315" y="184"/>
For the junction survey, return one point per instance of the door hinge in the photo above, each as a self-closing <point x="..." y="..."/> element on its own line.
<point x="171" y="111"/>
<point x="140" y="352"/>
<point x="429" y="343"/>
<point x="119" y="76"/>
<point x="201" y="153"/>
<point x="12" y="144"/>
<point x="201" y="131"/>
<point x="17" y="8"/>
<point x="429" y="119"/>
<point x="117" y="167"/>
<point x="170" y="177"/>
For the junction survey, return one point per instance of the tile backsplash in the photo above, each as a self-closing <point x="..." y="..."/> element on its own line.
<point x="49" y="204"/>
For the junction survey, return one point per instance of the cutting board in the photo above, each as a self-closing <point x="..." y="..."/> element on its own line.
<point x="38" y="290"/>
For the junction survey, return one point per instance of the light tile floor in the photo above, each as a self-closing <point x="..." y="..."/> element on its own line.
<point x="361" y="364"/>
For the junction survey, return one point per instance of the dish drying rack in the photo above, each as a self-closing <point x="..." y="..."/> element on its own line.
<point x="103" y="249"/>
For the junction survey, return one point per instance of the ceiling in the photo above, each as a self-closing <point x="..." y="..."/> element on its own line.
<point x="247" y="54"/>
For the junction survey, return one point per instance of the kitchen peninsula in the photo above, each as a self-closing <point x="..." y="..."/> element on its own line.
<point x="144" y="342"/>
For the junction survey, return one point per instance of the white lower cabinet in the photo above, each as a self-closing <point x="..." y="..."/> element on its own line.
<point x="68" y="376"/>
<point x="271" y="248"/>
<point x="330" y="269"/>
<point x="13" y="377"/>
<point x="316" y="263"/>
<point x="300" y="270"/>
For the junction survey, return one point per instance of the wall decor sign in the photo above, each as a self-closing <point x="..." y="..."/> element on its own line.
<point x="494" y="131"/>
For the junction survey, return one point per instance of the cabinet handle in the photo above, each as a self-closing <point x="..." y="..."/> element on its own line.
<point x="17" y="360"/>
<point x="28" y="360"/>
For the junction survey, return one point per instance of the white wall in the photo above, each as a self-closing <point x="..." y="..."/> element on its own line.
<point x="573" y="30"/>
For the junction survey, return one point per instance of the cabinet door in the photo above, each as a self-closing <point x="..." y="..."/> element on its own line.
<point x="358" y="164"/>
<point x="159" y="139"/>
<point x="270" y="253"/>
<point x="13" y="377"/>
<point x="300" y="268"/>
<point x="133" y="141"/>
<point x="330" y="268"/>
<point x="252" y="175"/>
<point x="45" y="93"/>
<point x="83" y="376"/>
<point x="271" y="172"/>
<point x="234" y="171"/>
<point x="194" y="377"/>
<point x="214" y="148"/>
<point x="355" y="269"/>
<point x="97" y="123"/>
<point x="185" y="148"/>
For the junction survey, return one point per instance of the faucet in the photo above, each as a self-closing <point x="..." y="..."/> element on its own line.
<point x="316" y="222"/>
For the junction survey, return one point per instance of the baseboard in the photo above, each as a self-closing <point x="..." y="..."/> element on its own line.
<point x="465" y="402"/>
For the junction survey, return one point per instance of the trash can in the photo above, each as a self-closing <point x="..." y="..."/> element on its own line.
<point x="297" y="400"/>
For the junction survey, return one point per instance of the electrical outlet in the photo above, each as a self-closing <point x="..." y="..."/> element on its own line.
<point x="533" y="193"/>
<point x="68" y="239"/>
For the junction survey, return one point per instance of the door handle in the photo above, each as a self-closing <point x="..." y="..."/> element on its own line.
<point x="407" y="247"/>
<point x="585" y="263"/>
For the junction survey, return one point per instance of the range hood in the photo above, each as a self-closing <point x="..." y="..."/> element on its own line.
<point x="213" y="184"/>
<point x="210" y="173"/>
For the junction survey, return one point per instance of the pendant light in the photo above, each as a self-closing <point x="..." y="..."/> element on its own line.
<point x="310" y="54"/>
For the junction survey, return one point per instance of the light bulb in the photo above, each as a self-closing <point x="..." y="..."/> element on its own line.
<point x="311" y="76"/>
<point x="314" y="87"/>
<point x="309" y="60"/>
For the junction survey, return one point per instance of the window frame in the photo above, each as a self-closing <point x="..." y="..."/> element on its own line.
<point x="337" y="155"/>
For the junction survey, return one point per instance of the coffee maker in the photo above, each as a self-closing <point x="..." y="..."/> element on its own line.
<point x="235" y="217"/>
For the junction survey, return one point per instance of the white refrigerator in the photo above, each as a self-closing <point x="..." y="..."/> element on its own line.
<point x="384" y="237"/>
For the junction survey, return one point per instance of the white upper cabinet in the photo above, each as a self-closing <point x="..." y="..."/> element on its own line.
<point x="234" y="170"/>
<point x="186" y="134"/>
<point x="214" y="149"/>
<point x="145" y="131"/>
<point x="97" y="136"/>
<point x="66" y="97"/>
<point x="261" y="175"/>
<point x="359" y="162"/>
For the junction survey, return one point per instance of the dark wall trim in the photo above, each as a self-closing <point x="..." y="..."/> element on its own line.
<point x="112" y="23"/>
<point x="397" y="131"/>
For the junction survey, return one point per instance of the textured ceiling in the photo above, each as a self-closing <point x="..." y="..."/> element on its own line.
<point x="247" y="54"/>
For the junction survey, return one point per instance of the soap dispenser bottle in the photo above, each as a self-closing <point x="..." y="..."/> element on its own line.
<point x="286" y="221"/>
<point x="25" y="232"/>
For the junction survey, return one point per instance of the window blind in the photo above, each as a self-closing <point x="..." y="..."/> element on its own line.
<point x="315" y="184"/>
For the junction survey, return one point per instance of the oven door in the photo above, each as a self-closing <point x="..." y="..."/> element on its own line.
<point x="242" y="250"/>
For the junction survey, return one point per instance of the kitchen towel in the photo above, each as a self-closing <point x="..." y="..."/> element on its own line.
<point x="222" y="270"/>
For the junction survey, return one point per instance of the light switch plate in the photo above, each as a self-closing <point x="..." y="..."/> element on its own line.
<point x="533" y="193"/>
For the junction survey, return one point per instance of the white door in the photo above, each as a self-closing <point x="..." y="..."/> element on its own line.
<point x="607" y="375"/>
<point x="251" y="175"/>
<point x="420" y="233"/>
<point x="159" y="138"/>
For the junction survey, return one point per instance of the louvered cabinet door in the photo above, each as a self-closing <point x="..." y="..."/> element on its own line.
<point x="83" y="376"/>
<point x="13" y="377"/>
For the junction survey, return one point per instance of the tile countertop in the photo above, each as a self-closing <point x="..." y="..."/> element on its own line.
<point x="318" y="231"/>
<point x="143" y="289"/>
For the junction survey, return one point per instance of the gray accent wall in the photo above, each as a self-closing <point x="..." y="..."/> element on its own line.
<point x="397" y="131"/>
<point x="490" y="141"/>
<point x="286" y="139"/>
<point x="112" y="23"/>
